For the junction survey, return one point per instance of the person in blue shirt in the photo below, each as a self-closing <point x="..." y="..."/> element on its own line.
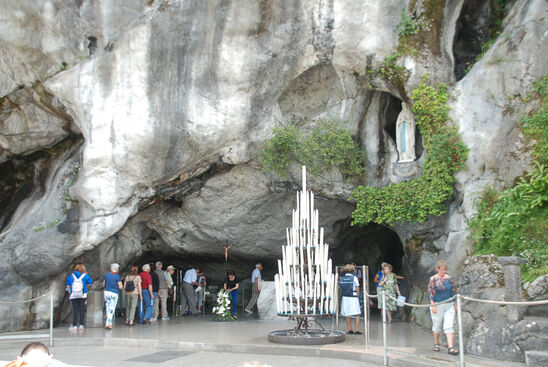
<point x="112" y="285"/>
<point x="79" y="297"/>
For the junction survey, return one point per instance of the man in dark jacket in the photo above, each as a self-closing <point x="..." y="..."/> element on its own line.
<point x="155" y="288"/>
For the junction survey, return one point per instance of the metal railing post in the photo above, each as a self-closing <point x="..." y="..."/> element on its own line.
<point x="459" y="320"/>
<point x="51" y="318"/>
<point x="365" y="309"/>
<point x="383" y="296"/>
<point x="336" y="296"/>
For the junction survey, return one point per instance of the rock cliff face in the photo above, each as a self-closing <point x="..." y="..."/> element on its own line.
<point x="130" y="131"/>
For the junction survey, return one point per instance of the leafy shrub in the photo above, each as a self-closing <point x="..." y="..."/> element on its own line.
<point x="515" y="221"/>
<point x="328" y="145"/>
<point x="411" y="25"/>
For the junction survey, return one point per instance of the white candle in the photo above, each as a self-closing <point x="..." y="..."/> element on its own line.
<point x="304" y="178"/>
<point x="306" y="290"/>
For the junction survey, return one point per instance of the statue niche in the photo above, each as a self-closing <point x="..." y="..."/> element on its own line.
<point x="405" y="135"/>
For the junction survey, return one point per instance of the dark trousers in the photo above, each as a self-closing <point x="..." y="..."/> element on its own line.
<point x="78" y="311"/>
<point x="234" y="301"/>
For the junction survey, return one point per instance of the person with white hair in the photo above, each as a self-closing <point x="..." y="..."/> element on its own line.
<point x="147" y="303"/>
<point x="188" y="296"/>
<point x="256" y="285"/>
<point x="162" y="293"/>
<point x="112" y="285"/>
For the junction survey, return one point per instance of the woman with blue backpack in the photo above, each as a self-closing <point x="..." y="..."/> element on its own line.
<point x="77" y="285"/>
<point x="350" y="304"/>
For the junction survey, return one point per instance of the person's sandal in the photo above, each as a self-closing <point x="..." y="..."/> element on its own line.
<point x="453" y="351"/>
<point x="358" y="333"/>
<point x="436" y="348"/>
<point x="350" y="332"/>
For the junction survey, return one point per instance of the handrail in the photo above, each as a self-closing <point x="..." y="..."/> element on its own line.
<point x="26" y="301"/>
<point x="458" y="298"/>
<point x="50" y="294"/>
<point x="517" y="303"/>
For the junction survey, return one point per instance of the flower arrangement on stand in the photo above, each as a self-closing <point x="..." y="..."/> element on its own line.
<point x="223" y="311"/>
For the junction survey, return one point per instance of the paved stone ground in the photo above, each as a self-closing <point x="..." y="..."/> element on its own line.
<point x="240" y="343"/>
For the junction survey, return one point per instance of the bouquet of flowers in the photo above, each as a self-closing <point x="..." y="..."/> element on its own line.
<point x="223" y="311"/>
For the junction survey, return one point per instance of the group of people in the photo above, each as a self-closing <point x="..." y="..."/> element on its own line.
<point x="146" y="291"/>
<point x="441" y="288"/>
<point x="149" y="291"/>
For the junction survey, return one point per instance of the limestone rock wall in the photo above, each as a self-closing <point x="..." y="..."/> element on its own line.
<point x="131" y="129"/>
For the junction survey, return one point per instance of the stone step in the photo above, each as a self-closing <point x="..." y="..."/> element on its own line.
<point x="536" y="358"/>
<point x="533" y="341"/>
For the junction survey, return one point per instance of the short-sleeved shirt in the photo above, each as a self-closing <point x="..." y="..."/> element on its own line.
<point x="256" y="275"/>
<point x="162" y="278"/>
<point x="136" y="281"/>
<point x="146" y="280"/>
<point x="190" y="276"/>
<point x="440" y="289"/>
<point x="231" y="283"/>
<point x="111" y="282"/>
<point x="379" y="274"/>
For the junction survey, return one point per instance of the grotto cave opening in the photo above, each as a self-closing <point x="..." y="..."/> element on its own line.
<point x="369" y="245"/>
<point x="471" y="34"/>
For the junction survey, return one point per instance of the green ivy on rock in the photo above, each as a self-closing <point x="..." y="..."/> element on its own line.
<point x="417" y="199"/>
<point x="515" y="221"/>
<point x="326" y="146"/>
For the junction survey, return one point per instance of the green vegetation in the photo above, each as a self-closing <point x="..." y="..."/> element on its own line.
<point x="497" y="17"/>
<point x="515" y="221"/>
<point x="415" y="200"/>
<point x="409" y="27"/>
<point x="394" y="73"/>
<point x="326" y="146"/>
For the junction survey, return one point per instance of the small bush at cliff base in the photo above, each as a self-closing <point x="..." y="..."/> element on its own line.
<point x="515" y="222"/>
<point x="324" y="147"/>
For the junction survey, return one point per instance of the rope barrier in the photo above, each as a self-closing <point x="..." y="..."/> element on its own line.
<point x="413" y="304"/>
<point x="26" y="301"/>
<point x="452" y="299"/>
<point x="517" y="303"/>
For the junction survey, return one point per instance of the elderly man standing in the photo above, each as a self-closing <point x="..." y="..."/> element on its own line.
<point x="162" y="293"/>
<point x="188" y="295"/>
<point x="256" y="285"/>
<point x="147" y="304"/>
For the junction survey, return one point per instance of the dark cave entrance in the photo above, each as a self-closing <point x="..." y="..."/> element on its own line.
<point x="472" y="32"/>
<point x="369" y="245"/>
